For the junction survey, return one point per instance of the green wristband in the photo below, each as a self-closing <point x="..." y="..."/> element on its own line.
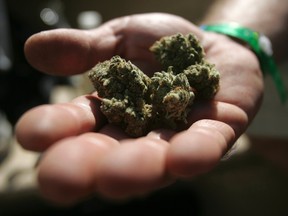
<point x="260" y="45"/>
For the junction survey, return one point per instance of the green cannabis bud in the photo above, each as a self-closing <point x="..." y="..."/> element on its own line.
<point x="123" y="90"/>
<point x="139" y="103"/>
<point x="171" y="96"/>
<point x="178" y="51"/>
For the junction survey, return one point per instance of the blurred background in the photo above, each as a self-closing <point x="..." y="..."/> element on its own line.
<point x="252" y="182"/>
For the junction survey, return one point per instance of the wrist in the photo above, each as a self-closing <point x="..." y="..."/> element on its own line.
<point x="258" y="43"/>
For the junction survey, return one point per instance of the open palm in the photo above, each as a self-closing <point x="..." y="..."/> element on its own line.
<point x="84" y="154"/>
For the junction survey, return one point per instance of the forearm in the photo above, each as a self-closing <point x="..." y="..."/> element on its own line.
<point x="269" y="17"/>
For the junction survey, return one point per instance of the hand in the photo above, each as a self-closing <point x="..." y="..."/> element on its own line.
<point x="84" y="155"/>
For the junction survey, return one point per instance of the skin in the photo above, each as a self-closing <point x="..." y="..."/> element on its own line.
<point x="85" y="155"/>
<point x="270" y="17"/>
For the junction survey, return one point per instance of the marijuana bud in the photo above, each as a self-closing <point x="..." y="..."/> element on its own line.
<point x="178" y="51"/>
<point x="204" y="78"/>
<point x="118" y="78"/>
<point x="123" y="89"/>
<point x="139" y="103"/>
<point x="171" y="96"/>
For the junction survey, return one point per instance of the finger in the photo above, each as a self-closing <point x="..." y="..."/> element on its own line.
<point x="133" y="168"/>
<point x="215" y="126"/>
<point x="114" y="131"/>
<point x="69" y="51"/>
<point x="67" y="172"/>
<point x="200" y="148"/>
<point x="42" y="126"/>
<point x="230" y="114"/>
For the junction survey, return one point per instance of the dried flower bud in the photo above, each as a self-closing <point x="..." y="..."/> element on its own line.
<point x="139" y="103"/>
<point x="123" y="88"/>
<point x="178" y="51"/>
<point x="204" y="78"/>
<point x="171" y="95"/>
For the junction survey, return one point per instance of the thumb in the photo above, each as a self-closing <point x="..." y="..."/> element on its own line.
<point x="69" y="51"/>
